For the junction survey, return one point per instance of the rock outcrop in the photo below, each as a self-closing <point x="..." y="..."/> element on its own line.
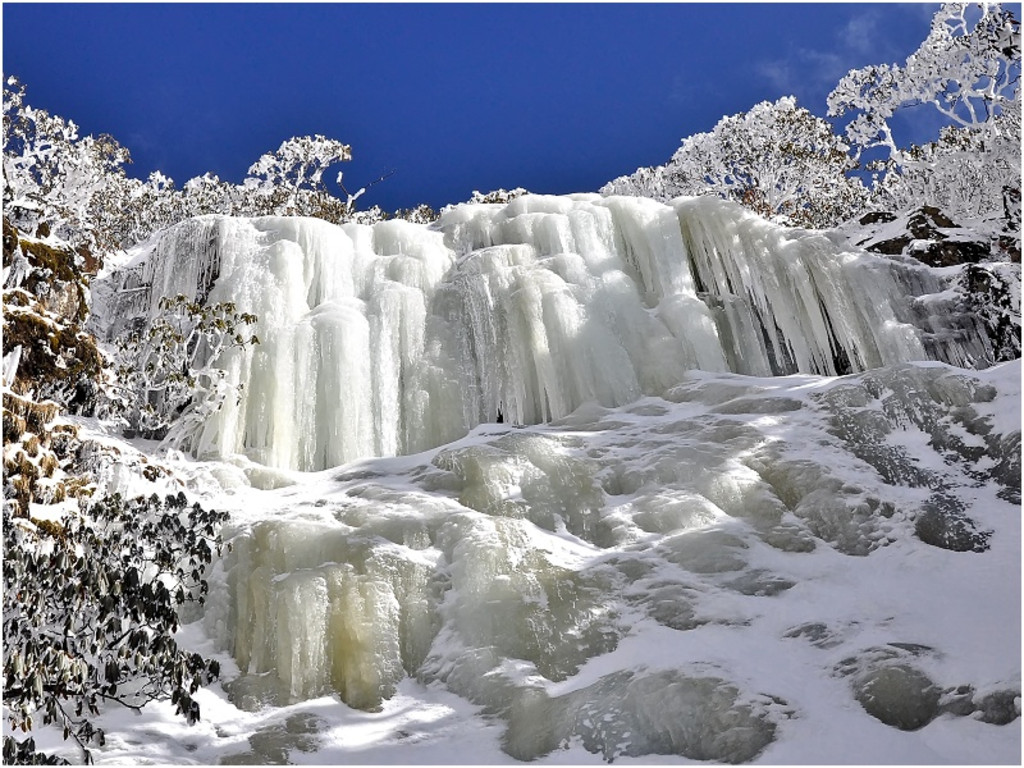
<point x="981" y="271"/>
<point x="51" y="366"/>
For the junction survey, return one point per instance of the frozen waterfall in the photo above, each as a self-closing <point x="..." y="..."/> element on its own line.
<point x="689" y="537"/>
<point x="393" y="338"/>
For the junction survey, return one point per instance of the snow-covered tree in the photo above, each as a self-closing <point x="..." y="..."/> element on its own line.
<point x="970" y="173"/>
<point x="52" y="176"/>
<point x="968" y="69"/>
<point x="969" y="72"/>
<point x="777" y="159"/>
<point x="76" y="187"/>
<point x="289" y="181"/>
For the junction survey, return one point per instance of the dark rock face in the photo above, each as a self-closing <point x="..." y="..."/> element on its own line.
<point x="1007" y="471"/>
<point x="56" y="368"/>
<point x="888" y="682"/>
<point x="898" y="695"/>
<point x="893" y="247"/>
<point x="943" y="523"/>
<point x="925" y="222"/>
<point x="38" y="455"/>
<point x="57" y="363"/>
<point x="982" y="297"/>
<point x="929" y="236"/>
<point x="877" y="217"/>
<point x="999" y="708"/>
<point x="949" y="253"/>
<point x="991" y="292"/>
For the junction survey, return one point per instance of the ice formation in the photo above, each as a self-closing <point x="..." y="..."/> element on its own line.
<point x="679" y="490"/>
<point x="395" y="338"/>
<point x="619" y="579"/>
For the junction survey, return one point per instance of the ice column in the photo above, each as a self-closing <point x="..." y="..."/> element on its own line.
<point x="396" y="337"/>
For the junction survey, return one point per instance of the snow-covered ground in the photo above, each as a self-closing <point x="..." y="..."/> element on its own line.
<point x="717" y="574"/>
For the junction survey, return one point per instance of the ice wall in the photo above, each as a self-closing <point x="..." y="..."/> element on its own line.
<point x="393" y="338"/>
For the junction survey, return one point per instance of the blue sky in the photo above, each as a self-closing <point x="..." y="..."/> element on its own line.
<point x="452" y="97"/>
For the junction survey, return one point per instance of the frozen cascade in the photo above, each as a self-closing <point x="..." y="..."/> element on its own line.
<point x="679" y="492"/>
<point x="394" y="338"/>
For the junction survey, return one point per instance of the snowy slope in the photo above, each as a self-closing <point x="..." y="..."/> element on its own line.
<point x="715" y="575"/>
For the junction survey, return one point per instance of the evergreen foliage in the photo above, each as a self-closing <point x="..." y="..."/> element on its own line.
<point x="90" y="606"/>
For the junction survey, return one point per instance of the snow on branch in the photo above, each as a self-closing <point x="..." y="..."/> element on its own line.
<point x="969" y="72"/>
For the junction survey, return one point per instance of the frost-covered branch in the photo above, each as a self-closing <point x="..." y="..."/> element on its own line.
<point x="777" y="159"/>
<point x="169" y="372"/>
<point x="968" y="69"/>
<point x="969" y="73"/>
<point x="53" y="177"/>
<point x="291" y="178"/>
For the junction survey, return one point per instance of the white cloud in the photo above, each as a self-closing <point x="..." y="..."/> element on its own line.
<point x="860" y="33"/>
<point x="859" y="41"/>
<point x="778" y="73"/>
<point x="802" y="68"/>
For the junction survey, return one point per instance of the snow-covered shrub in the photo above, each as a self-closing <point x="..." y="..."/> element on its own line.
<point x="498" y="195"/>
<point x="421" y="214"/>
<point x="90" y="607"/>
<point x="167" y="373"/>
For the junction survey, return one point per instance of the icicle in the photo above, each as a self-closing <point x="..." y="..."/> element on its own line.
<point x="12" y="359"/>
<point x="398" y="337"/>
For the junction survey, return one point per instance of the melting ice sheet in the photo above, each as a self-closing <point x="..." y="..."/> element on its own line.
<point x="395" y="338"/>
<point x="793" y="569"/>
